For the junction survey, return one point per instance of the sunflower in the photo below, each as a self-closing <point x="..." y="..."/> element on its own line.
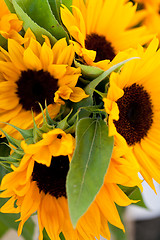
<point x="133" y="105"/>
<point x="148" y="16"/>
<point x="100" y="29"/>
<point x="10" y="25"/>
<point x="30" y="75"/>
<point x="39" y="184"/>
<point x="152" y="19"/>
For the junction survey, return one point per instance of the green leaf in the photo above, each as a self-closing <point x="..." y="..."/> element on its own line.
<point x="29" y="23"/>
<point x="92" y="85"/>
<point x="54" y="8"/>
<point x="88" y="166"/>
<point x="10" y="6"/>
<point x="37" y="11"/>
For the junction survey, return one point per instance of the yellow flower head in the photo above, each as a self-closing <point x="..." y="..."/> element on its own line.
<point x="10" y="25"/>
<point x="101" y="30"/>
<point x="32" y="74"/>
<point x="133" y="105"/>
<point x="152" y="19"/>
<point x="148" y="16"/>
<point x="39" y="184"/>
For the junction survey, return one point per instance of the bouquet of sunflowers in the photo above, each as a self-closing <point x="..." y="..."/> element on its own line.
<point x="79" y="113"/>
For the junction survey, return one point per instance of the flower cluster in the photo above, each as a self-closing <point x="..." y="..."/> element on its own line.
<point x="79" y="110"/>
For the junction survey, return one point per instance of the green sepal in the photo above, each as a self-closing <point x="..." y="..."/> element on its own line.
<point x="37" y="134"/>
<point x="28" y="133"/>
<point x="78" y="109"/>
<point x="18" y="151"/>
<point x="3" y="42"/>
<point x="67" y="3"/>
<point x="90" y="72"/>
<point x="88" y="166"/>
<point x="61" y="236"/>
<point x="6" y="166"/>
<point x="13" y="141"/>
<point x="48" y="118"/>
<point x="137" y="195"/>
<point x="45" y="126"/>
<point x="93" y="84"/>
<point x="17" y="156"/>
<point x="7" y="161"/>
<point x="103" y="95"/>
<point x="134" y="193"/>
<point x="63" y="124"/>
<point x="4" y="150"/>
<point x="29" y="23"/>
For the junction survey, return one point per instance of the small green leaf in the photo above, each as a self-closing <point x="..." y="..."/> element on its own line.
<point x="92" y="85"/>
<point x="88" y="166"/>
<point x="29" y="23"/>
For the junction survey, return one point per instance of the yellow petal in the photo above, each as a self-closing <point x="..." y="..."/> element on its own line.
<point x="77" y="95"/>
<point x="31" y="61"/>
<point x="16" y="54"/>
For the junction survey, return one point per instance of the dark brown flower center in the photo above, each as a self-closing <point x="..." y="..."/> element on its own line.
<point x="135" y="114"/>
<point x="35" y="87"/>
<point x="102" y="47"/>
<point x="52" y="179"/>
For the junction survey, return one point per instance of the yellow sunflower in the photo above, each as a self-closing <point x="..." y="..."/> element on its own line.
<point x="152" y="19"/>
<point x="148" y="16"/>
<point x="39" y="184"/>
<point x="133" y="105"/>
<point x="10" y="25"/>
<point x="32" y="74"/>
<point x="101" y="30"/>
